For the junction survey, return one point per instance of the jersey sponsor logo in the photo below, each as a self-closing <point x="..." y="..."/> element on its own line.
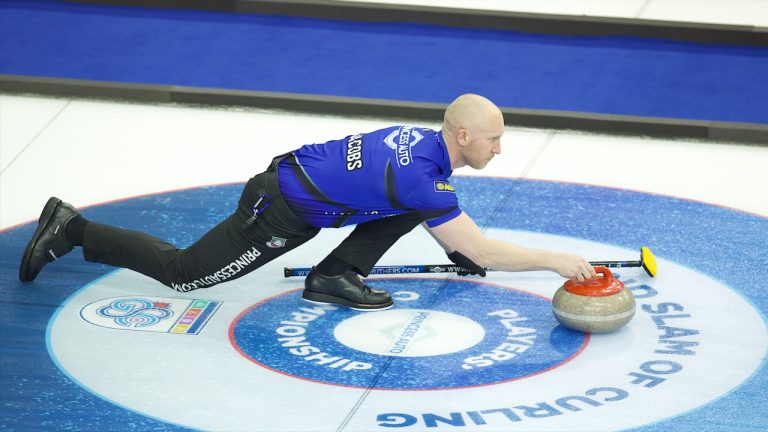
<point x="354" y="152"/>
<point x="443" y="186"/>
<point x="401" y="141"/>
<point x="151" y="314"/>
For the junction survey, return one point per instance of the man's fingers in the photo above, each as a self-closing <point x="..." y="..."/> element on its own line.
<point x="591" y="271"/>
<point x="578" y="269"/>
<point x="585" y="272"/>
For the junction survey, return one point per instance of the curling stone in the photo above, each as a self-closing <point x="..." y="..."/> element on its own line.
<point x="596" y="305"/>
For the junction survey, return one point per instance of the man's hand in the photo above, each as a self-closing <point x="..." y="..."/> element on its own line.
<point x="573" y="267"/>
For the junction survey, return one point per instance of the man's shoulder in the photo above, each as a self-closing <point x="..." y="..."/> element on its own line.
<point x="401" y="134"/>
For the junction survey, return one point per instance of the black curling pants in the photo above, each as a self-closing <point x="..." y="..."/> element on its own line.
<point x="369" y="241"/>
<point x="237" y="245"/>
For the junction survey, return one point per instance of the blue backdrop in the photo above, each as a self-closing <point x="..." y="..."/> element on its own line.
<point x="609" y="75"/>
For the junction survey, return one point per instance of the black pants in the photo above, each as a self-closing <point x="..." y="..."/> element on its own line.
<point x="237" y="245"/>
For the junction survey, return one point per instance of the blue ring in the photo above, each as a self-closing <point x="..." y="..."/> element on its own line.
<point x="254" y="335"/>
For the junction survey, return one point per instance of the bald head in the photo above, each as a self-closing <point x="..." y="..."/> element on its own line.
<point x="469" y="111"/>
<point x="472" y="130"/>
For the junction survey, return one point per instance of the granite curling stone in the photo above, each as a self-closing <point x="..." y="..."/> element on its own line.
<point x="597" y="305"/>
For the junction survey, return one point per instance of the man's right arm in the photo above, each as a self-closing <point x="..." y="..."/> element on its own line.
<point x="463" y="235"/>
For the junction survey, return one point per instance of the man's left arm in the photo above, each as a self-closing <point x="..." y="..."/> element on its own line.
<point x="463" y="235"/>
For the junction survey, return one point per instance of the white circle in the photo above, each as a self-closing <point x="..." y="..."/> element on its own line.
<point x="409" y="333"/>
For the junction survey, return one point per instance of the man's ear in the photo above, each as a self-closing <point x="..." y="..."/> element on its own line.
<point x="463" y="137"/>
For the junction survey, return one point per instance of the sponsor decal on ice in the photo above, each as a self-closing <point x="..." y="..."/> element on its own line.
<point x="151" y="314"/>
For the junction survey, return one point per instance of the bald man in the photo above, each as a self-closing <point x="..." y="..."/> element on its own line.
<point x="385" y="182"/>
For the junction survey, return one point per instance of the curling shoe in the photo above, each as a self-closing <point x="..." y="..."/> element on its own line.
<point x="346" y="289"/>
<point x="48" y="242"/>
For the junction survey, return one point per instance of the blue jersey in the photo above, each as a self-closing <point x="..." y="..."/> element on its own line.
<point x="369" y="176"/>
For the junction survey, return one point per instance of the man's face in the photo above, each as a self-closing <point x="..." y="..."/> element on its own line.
<point x="484" y="141"/>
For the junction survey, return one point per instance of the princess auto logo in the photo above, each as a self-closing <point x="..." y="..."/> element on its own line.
<point x="461" y="342"/>
<point x="401" y="140"/>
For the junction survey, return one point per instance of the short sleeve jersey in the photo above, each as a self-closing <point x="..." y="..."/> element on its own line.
<point x="369" y="176"/>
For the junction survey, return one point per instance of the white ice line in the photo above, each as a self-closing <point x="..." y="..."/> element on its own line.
<point x="538" y="154"/>
<point x="37" y="135"/>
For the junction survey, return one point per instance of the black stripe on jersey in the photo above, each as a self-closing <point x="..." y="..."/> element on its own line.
<point x="298" y="171"/>
<point x="433" y="214"/>
<point x="389" y="181"/>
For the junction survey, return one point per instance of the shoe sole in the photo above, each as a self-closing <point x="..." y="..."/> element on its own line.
<point x="45" y="219"/>
<point x="325" y="299"/>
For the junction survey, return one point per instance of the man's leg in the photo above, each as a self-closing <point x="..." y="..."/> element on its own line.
<point x="235" y="247"/>
<point x="335" y="279"/>
<point x="368" y="242"/>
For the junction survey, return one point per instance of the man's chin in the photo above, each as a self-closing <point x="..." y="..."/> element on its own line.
<point x="480" y="165"/>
